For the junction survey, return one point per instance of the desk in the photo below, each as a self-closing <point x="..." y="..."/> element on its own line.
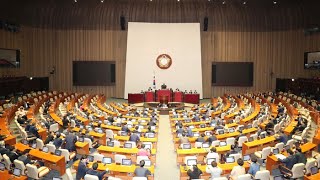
<point x="120" y="150"/>
<point x="257" y="145"/>
<point x="192" y="98"/>
<point x="312" y="177"/>
<point x="149" y="96"/>
<point x="82" y="147"/>
<point x="290" y="127"/>
<point x="135" y="98"/>
<point x="178" y="96"/>
<point x="51" y="161"/>
<point x="5" y="175"/>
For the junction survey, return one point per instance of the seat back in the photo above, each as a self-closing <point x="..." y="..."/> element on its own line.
<point x="134" y="145"/>
<point x="40" y="143"/>
<point x="32" y="171"/>
<point x="310" y="163"/>
<point x="297" y="170"/>
<point x="244" y="177"/>
<point x="51" y="148"/>
<point x="66" y="154"/>
<point x="7" y="161"/>
<point x="265" y="152"/>
<point x="90" y="177"/>
<point x="20" y="165"/>
<point x="231" y="141"/>
<point x="109" y="133"/>
<point x="88" y="141"/>
<point x="262" y="175"/>
<point x="198" y="144"/>
<point x="215" y="143"/>
<point x="139" y="178"/>
<point x="242" y="139"/>
<point x="148" y="143"/>
<point x="69" y="174"/>
<point x="139" y="158"/>
<point x="54" y="127"/>
<point x="279" y="146"/>
<point x="291" y="143"/>
<point x="118" y="158"/>
<point x="236" y="156"/>
<point x="98" y="157"/>
<point x="221" y="178"/>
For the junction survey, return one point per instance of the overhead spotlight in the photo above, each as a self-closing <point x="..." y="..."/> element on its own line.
<point x="31" y="78"/>
<point x="102" y="1"/>
<point x="292" y="80"/>
<point x="223" y="2"/>
<point x="274" y="2"/>
<point x="178" y="0"/>
<point x="244" y="2"/>
<point x="209" y="0"/>
<point x="75" y="1"/>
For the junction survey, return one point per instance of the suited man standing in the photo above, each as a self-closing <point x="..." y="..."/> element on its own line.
<point x="71" y="140"/>
<point x="82" y="168"/>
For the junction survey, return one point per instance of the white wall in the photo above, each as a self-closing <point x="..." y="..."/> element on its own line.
<point x="146" y="41"/>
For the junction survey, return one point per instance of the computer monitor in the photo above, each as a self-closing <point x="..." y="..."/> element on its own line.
<point x="262" y="136"/>
<point x="250" y="139"/>
<point x="110" y="143"/>
<point x="16" y="172"/>
<point x="147" y="163"/>
<point x="123" y="133"/>
<point x="81" y="126"/>
<point x="209" y="160"/>
<point x="222" y="143"/>
<point x="246" y="157"/>
<point x="191" y="127"/>
<point x="186" y="146"/>
<point x="249" y="126"/>
<point x="90" y="129"/>
<point x="230" y="160"/>
<point x="202" y="125"/>
<point x="241" y="128"/>
<point x="127" y="145"/>
<point x="45" y="149"/>
<point x="90" y="158"/>
<point x="57" y="152"/>
<point x="191" y="162"/>
<point x="187" y="120"/>
<point x="278" y="178"/>
<point x="150" y="135"/>
<point x="196" y="134"/>
<point x="221" y="131"/>
<point x="205" y="145"/>
<point x="100" y="131"/>
<point x="126" y="162"/>
<point x="287" y="147"/>
<point x="314" y="170"/>
<point x="275" y="151"/>
<point x="81" y="139"/>
<point x="2" y="166"/>
<point x="147" y="146"/>
<point x="106" y="160"/>
<point x="34" y="145"/>
<point x="24" y="141"/>
<point x="118" y="124"/>
<point x="231" y="130"/>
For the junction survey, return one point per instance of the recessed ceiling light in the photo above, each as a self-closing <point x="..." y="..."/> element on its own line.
<point x="75" y="1"/>
<point x="274" y="2"/>
<point x="244" y="2"/>
<point x="223" y="2"/>
<point x="102" y="1"/>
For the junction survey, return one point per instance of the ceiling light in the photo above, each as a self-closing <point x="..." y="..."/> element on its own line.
<point x="178" y="0"/>
<point x="244" y="2"/>
<point x="75" y="1"/>
<point x="223" y="2"/>
<point x="102" y="1"/>
<point x="274" y="2"/>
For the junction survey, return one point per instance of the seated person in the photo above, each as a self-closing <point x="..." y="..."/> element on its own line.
<point x="141" y="171"/>
<point x="300" y="157"/>
<point x="58" y="141"/>
<point x="95" y="172"/>
<point x="211" y="138"/>
<point x="213" y="154"/>
<point x="149" y="130"/>
<point x="201" y="138"/>
<point x="238" y="170"/>
<point x="214" y="170"/>
<point x="82" y="168"/>
<point x="288" y="162"/>
<point x="194" y="172"/>
<point x="24" y="157"/>
<point x="134" y="137"/>
<point x="49" y="138"/>
<point x="254" y="166"/>
<point x="184" y="139"/>
<point x="142" y="151"/>
<point x="125" y="127"/>
<point x="179" y="130"/>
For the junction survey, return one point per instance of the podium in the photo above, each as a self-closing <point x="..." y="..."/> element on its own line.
<point x="162" y="93"/>
<point x="164" y="99"/>
<point x="149" y="96"/>
<point x="178" y="96"/>
<point x="192" y="98"/>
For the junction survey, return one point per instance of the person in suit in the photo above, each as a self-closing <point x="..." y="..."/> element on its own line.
<point x="201" y="138"/>
<point x="58" y="141"/>
<point x="194" y="172"/>
<point x="301" y="157"/>
<point x="180" y="130"/>
<point x="288" y="161"/>
<point x="94" y="171"/>
<point x="125" y="128"/>
<point x="71" y="140"/>
<point x="211" y="139"/>
<point x="49" y="138"/>
<point x="134" y="137"/>
<point x="24" y="157"/>
<point x="34" y="130"/>
<point x="12" y="154"/>
<point x="82" y="168"/>
<point x="141" y="171"/>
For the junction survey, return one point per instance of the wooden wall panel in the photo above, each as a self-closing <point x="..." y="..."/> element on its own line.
<point x="277" y="54"/>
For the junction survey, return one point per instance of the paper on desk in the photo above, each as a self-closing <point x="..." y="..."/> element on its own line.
<point x="280" y="156"/>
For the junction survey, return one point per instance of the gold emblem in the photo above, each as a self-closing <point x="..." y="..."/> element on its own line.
<point x="164" y="61"/>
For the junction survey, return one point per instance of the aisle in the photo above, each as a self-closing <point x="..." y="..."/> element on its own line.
<point x="166" y="166"/>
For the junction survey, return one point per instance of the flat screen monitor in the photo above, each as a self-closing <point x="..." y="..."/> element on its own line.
<point x="186" y="146"/>
<point x="34" y="145"/>
<point x="222" y="143"/>
<point x="90" y="129"/>
<point x="208" y="133"/>
<point x="262" y="136"/>
<point x="81" y="127"/>
<point x="16" y="172"/>
<point x="127" y="145"/>
<point x="150" y="135"/>
<point x="202" y="125"/>
<point x="231" y="130"/>
<point x="57" y="152"/>
<point x="81" y="139"/>
<point x="126" y="162"/>
<point x="147" y="163"/>
<point x="56" y="178"/>
<point x="241" y="128"/>
<point x="106" y="160"/>
<point x="2" y="166"/>
<point x="230" y="160"/>
<point x="147" y="146"/>
<point x="249" y="126"/>
<point x="314" y="170"/>
<point x="275" y="151"/>
<point x="209" y="160"/>
<point x="110" y="144"/>
<point x="221" y="131"/>
<point x="246" y="157"/>
<point x="123" y="133"/>
<point x="90" y="158"/>
<point x="100" y="131"/>
<point x="250" y="139"/>
<point x="45" y="149"/>
<point x="205" y="145"/>
<point x="191" y="162"/>
<point x="191" y="127"/>
<point x="196" y="134"/>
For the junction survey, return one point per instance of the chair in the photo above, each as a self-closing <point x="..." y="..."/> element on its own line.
<point x="39" y="143"/>
<point x="302" y="136"/>
<point x="264" y="153"/>
<point x="310" y="163"/>
<point x="98" y="157"/>
<point x="290" y="142"/>
<point x="279" y="146"/>
<point x="116" y="143"/>
<point x="244" y="177"/>
<point x="134" y="145"/>
<point x="139" y="158"/>
<point x="262" y="175"/>
<point x="276" y="128"/>
<point x="148" y="143"/>
<point x="241" y="140"/>
<point x="88" y="141"/>
<point x="54" y="127"/>
<point x="51" y="148"/>
<point x="220" y="178"/>
<point x="69" y="174"/>
<point x="72" y="123"/>
<point x="254" y="136"/>
<point x="109" y="133"/>
<point x="118" y="158"/>
<point x="20" y="165"/>
<point x="236" y="156"/>
<point x="67" y="155"/>
<point x="215" y="143"/>
<point x="198" y="144"/>
<point x="139" y="178"/>
<point x="35" y="173"/>
<point x="295" y="172"/>
<point x="7" y="161"/>
<point x="90" y="177"/>
<point x="231" y="141"/>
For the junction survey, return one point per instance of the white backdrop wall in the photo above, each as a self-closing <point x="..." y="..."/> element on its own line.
<point x="146" y="41"/>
